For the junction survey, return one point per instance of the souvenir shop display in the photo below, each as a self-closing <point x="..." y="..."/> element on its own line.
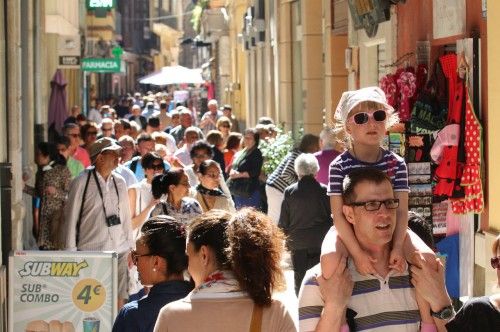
<point x="441" y="142"/>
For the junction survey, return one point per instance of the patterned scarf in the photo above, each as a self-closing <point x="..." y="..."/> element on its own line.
<point x="219" y="284"/>
<point x="210" y="192"/>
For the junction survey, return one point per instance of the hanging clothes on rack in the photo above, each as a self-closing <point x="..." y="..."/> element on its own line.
<point x="449" y="171"/>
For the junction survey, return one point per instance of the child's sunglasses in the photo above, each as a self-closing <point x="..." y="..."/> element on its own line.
<point x="363" y="117"/>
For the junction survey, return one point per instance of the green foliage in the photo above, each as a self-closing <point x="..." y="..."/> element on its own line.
<point x="275" y="149"/>
<point x="198" y="13"/>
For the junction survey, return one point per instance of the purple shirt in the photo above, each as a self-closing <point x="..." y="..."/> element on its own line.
<point x="325" y="157"/>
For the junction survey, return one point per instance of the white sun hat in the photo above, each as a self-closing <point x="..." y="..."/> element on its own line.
<point x="351" y="99"/>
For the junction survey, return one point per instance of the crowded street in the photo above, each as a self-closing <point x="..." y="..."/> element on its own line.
<point x="249" y="165"/>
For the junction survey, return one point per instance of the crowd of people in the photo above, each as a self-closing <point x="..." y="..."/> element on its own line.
<point x="201" y="233"/>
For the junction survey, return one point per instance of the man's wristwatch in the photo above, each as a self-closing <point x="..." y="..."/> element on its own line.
<point x="445" y="313"/>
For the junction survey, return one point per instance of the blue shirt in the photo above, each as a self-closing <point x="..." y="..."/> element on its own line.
<point x="140" y="316"/>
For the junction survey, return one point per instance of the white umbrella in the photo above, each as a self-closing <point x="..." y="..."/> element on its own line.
<point x="173" y="75"/>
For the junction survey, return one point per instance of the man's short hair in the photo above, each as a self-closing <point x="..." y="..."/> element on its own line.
<point x="126" y="139"/>
<point x="125" y="123"/>
<point x="309" y="143"/>
<point x="364" y="174"/>
<point x="212" y="102"/>
<point x="214" y="137"/>
<point x="144" y="138"/>
<point x="306" y="164"/>
<point x="70" y="125"/>
<point x="154" y="122"/>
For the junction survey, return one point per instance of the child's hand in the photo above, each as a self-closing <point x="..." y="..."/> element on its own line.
<point x="396" y="260"/>
<point x="364" y="264"/>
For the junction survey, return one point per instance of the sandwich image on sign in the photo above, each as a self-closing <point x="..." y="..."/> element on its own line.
<point x="52" y="326"/>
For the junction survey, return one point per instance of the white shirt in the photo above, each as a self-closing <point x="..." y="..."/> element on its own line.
<point x="184" y="155"/>
<point x="94" y="116"/>
<point x="94" y="234"/>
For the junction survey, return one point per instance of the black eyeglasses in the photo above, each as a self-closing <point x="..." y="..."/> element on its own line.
<point x="495" y="262"/>
<point x="106" y="129"/>
<point x="135" y="256"/>
<point x="363" y="117"/>
<point x="391" y="204"/>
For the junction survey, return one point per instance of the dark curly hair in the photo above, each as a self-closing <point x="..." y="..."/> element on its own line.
<point x="166" y="237"/>
<point x="247" y="243"/>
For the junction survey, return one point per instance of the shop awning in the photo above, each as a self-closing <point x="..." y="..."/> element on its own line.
<point x="173" y="75"/>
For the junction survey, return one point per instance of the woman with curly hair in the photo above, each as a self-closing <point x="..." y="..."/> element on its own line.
<point x="235" y="264"/>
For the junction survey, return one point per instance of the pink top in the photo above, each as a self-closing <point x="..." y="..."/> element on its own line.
<point x="83" y="156"/>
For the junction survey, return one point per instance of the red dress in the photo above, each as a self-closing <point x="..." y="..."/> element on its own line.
<point x="473" y="202"/>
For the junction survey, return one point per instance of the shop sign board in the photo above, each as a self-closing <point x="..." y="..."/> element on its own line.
<point x="98" y="4"/>
<point x="62" y="290"/>
<point x="69" y="60"/>
<point x="101" y="65"/>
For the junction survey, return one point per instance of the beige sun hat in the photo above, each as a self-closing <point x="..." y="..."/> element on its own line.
<point x="101" y="145"/>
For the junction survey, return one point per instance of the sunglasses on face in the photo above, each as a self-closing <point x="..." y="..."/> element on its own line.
<point x="495" y="262"/>
<point x="363" y="117"/>
<point x="91" y="133"/>
<point x="73" y="135"/>
<point x="106" y="129"/>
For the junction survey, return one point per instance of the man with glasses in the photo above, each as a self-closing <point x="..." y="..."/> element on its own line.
<point x="72" y="131"/>
<point x="381" y="301"/>
<point x="97" y="213"/>
<point x="107" y="127"/>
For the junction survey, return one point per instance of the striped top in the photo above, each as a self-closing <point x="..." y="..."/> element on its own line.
<point x="284" y="175"/>
<point x="379" y="304"/>
<point x="390" y="163"/>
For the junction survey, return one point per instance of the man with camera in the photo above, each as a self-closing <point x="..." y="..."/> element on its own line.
<point x="97" y="214"/>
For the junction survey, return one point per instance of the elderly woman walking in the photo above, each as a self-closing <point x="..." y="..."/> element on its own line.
<point x="305" y="216"/>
